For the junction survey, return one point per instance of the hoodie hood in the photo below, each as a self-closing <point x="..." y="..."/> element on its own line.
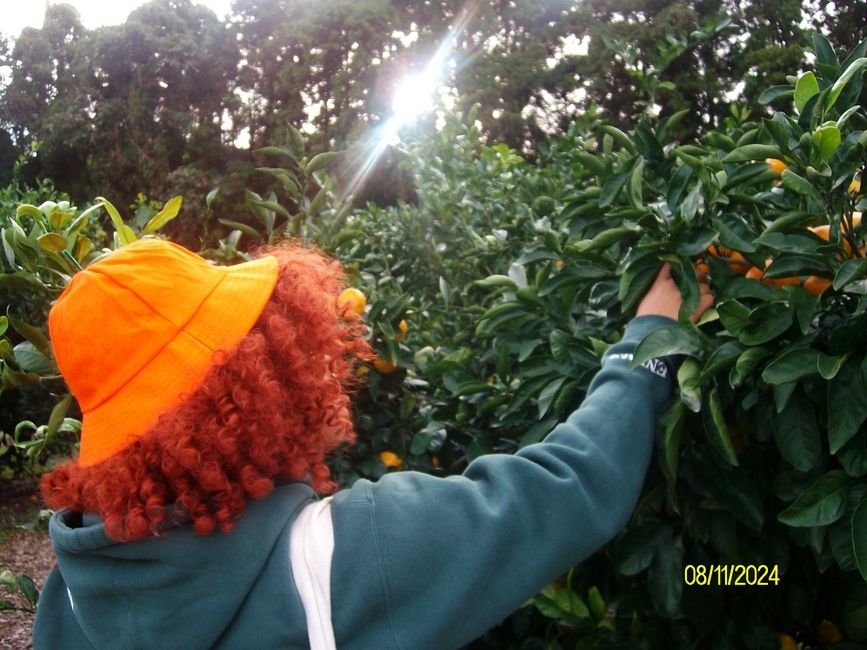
<point x="178" y="590"/>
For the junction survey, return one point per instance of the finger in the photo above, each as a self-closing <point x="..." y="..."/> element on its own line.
<point x="664" y="272"/>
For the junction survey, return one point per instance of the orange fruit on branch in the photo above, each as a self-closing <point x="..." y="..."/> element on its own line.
<point x="776" y="165"/>
<point x="828" y="633"/>
<point x="787" y="642"/>
<point x="816" y="285"/>
<point x="402" y="329"/>
<point x="755" y="273"/>
<point x="390" y="459"/>
<point x="351" y="300"/>
<point x="734" y="259"/>
<point x="384" y="367"/>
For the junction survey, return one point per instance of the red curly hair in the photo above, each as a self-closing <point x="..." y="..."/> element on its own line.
<point x="267" y="412"/>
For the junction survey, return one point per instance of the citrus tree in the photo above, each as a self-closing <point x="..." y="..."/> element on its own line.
<point x="491" y="300"/>
<point x="762" y="456"/>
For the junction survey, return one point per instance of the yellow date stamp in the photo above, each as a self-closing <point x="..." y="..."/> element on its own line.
<point x="731" y="575"/>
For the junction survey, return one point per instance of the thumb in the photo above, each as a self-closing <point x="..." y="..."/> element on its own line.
<point x="664" y="272"/>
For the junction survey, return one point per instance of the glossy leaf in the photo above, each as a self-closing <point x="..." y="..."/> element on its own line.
<point x="821" y="504"/>
<point x="796" y="433"/>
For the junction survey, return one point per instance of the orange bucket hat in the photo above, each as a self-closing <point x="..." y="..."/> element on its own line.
<point x="135" y="333"/>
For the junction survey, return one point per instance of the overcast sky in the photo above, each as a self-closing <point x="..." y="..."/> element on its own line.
<point x="18" y="14"/>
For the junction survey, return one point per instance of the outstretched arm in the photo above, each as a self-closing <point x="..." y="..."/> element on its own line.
<point x="436" y="562"/>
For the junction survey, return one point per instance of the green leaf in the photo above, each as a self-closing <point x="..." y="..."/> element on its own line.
<point x="243" y="227"/>
<point x="321" y="160"/>
<point x="827" y="140"/>
<point x="791" y="365"/>
<point x="687" y="381"/>
<point x="635" y="281"/>
<point x="212" y="196"/>
<point x="798" y="184"/>
<point x="296" y="141"/>
<point x="829" y="366"/>
<point x="496" y="281"/>
<point x="850" y="271"/>
<point x="665" y="341"/>
<point x="119" y="227"/>
<point x="52" y="242"/>
<point x="590" y="161"/>
<point x="619" y="137"/>
<point x="854" y="68"/>
<point x="277" y="151"/>
<point x="734" y="315"/>
<point x="753" y="152"/>
<point x="25" y="209"/>
<point x="824" y="50"/>
<point x="735" y="490"/>
<point x="635" y="184"/>
<point x="4" y="325"/>
<point x="782" y="394"/>
<point x="716" y="428"/>
<point x="604" y="239"/>
<point x="32" y="360"/>
<point x="849" y="112"/>
<point x="805" y="306"/>
<point x="57" y="414"/>
<point x="677" y="185"/>
<point x="735" y="233"/>
<point x="168" y="212"/>
<point x="32" y="334"/>
<point x="634" y="552"/>
<point x="694" y="241"/>
<point x="781" y="131"/>
<point x="847" y="404"/>
<point x="723" y="357"/>
<point x="859" y="537"/>
<point x="445" y="291"/>
<point x="20" y="280"/>
<point x="28" y="589"/>
<point x="665" y="579"/>
<point x="673" y="431"/>
<point x="821" y="504"/>
<point x="806" y="87"/>
<point x="767" y="322"/>
<point x="547" y="395"/>
<point x="745" y="364"/>
<point x="797" y="434"/>
<point x="775" y="93"/>
<point x="317" y="202"/>
<point x="693" y="202"/>
<point x="612" y="188"/>
<point x="841" y="543"/>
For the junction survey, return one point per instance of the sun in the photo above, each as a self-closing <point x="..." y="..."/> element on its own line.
<point x="413" y="96"/>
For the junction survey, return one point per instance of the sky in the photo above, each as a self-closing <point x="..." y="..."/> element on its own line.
<point x="18" y="14"/>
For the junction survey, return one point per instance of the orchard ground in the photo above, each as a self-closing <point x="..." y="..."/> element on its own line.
<point x="26" y="550"/>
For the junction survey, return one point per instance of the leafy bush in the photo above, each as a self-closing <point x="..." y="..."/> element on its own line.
<point x="512" y="279"/>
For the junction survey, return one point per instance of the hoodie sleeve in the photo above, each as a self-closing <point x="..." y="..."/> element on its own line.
<point x="425" y="562"/>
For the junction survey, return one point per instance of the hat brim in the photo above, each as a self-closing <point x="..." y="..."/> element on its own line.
<point x="178" y="369"/>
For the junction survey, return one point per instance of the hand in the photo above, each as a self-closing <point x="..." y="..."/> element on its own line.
<point x="664" y="299"/>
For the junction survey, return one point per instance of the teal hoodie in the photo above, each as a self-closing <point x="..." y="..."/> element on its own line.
<point x="419" y="563"/>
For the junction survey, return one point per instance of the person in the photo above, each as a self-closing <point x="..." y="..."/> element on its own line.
<point x="210" y="399"/>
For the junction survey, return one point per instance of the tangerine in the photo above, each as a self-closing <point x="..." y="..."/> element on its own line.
<point x="776" y="165"/>
<point x="401" y="334"/>
<point x="351" y="300"/>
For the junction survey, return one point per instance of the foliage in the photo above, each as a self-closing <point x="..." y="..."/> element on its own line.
<point x="43" y="247"/>
<point x="21" y="589"/>
<point x="174" y="94"/>
<point x="513" y="278"/>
